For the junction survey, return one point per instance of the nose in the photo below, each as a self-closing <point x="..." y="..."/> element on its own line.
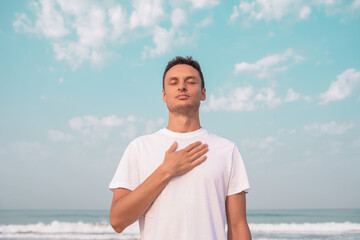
<point x="182" y="86"/>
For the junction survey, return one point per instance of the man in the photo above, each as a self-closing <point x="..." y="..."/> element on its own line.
<point x="181" y="182"/>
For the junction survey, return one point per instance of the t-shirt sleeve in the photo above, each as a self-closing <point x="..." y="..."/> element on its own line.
<point x="127" y="172"/>
<point x="238" y="181"/>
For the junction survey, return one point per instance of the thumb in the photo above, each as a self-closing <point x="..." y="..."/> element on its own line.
<point x="173" y="147"/>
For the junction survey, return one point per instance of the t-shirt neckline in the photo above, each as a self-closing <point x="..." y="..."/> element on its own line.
<point x="170" y="133"/>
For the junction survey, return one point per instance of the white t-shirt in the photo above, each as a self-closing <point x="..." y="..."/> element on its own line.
<point x="191" y="206"/>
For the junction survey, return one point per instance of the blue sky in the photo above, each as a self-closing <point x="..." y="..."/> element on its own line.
<point x="81" y="79"/>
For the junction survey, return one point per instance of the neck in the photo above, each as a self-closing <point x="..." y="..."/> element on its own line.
<point x="184" y="123"/>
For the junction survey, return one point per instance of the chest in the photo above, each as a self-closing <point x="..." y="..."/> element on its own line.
<point x="215" y="169"/>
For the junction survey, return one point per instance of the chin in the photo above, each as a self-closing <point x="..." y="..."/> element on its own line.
<point x="184" y="109"/>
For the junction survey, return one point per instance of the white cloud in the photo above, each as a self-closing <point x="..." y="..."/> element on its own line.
<point x="25" y="151"/>
<point x="245" y="99"/>
<point x="326" y="2"/>
<point x="271" y="34"/>
<point x="307" y="98"/>
<point x="76" y="53"/>
<point x="269" y="65"/>
<point x="93" y="129"/>
<point x="50" y="22"/>
<point x="23" y="23"/>
<point x="331" y="127"/>
<point x="292" y="131"/>
<point x="162" y="39"/>
<point x="91" y="28"/>
<point x="117" y="18"/>
<point x="205" y="22"/>
<point x="355" y="4"/>
<point x="86" y="21"/>
<point x="178" y="17"/>
<point x="92" y="32"/>
<point x="266" y="143"/>
<point x="82" y="30"/>
<point x="131" y="118"/>
<point x="269" y="10"/>
<point x="292" y="96"/>
<point x="304" y="12"/>
<point x="74" y="7"/>
<point x="57" y="136"/>
<point x="61" y="80"/>
<point x="240" y="99"/>
<point x="281" y="131"/>
<point x="153" y="125"/>
<point x="129" y="132"/>
<point x="146" y="13"/>
<point x="78" y="123"/>
<point x="203" y="3"/>
<point x="113" y="121"/>
<point x="267" y="95"/>
<point x="235" y="14"/>
<point x="342" y="87"/>
<point x="86" y="123"/>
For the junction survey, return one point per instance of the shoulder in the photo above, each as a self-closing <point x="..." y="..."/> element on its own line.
<point x="147" y="138"/>
<point x="220" y="140"/>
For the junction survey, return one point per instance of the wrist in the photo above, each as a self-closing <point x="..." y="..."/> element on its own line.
<point x="165" y="173"/>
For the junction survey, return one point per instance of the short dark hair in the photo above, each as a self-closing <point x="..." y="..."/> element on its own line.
<point x="184" y="60"/>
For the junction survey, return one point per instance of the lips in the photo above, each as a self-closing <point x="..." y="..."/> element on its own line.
<point x="182" y="96"/>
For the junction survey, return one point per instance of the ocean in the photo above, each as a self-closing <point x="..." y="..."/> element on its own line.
<point x="329" y="224"/>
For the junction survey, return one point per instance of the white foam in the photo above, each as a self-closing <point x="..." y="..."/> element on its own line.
<point x="307" y="228"/>
<point x="67" y="230"/>
<point x="69" y="236"/>
<point x="80" y="230"/>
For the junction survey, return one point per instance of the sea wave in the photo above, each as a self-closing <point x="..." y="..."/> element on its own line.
<point x="57" y="227"/>
<point x="66" y="230"/>
<point x="81" y="230"/>
<point x="307" y="228"/>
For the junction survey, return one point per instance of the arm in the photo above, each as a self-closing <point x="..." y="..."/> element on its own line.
<point x="236" y="217"/>
<point x="128" y="206"/>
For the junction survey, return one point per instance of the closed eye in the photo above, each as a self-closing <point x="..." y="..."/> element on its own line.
<point x="191" y="80"/>
<point x="173" y="82"/>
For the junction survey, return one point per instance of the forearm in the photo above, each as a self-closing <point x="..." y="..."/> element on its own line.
<point x="238" y="227"/>
<point x="127" y="209"/>
<point x="240" y="232"/>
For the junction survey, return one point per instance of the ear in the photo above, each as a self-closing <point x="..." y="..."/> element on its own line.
<point x="203" y="94"/>
<point x="164" y="95"/>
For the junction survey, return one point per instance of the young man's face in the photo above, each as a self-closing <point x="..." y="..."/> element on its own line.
<point x="182" y="89"/>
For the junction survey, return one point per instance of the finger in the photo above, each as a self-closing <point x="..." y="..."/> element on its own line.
<point x="173" y="147"/>
<point x="198" y="161"/>
<point x="192" y="145"/>
<point x="198" y="148"/>
<point x="198" y="154"/>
